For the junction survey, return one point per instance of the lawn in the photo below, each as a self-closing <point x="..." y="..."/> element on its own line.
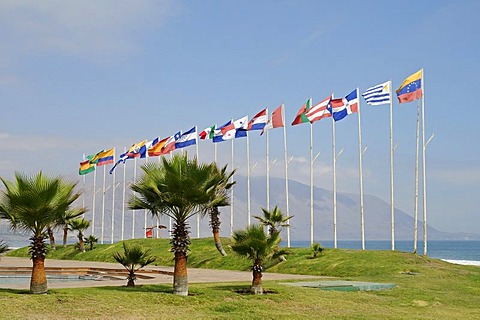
<point x="425" y="289"/>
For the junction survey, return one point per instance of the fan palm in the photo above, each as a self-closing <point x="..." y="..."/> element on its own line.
<point x="133" y="259"/>
<point x="80" y="225"/>
<point x="32" y="204"/>
<point x="178" y="188"/>
<point x="91" y="240"/>
<point x="255" y="244"/>
<point x="3" y="247"/>
<point x="65" y="220"/>
<point x="273" y="219"/>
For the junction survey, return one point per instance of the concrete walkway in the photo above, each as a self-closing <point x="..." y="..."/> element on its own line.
<point x="195" y="275"/>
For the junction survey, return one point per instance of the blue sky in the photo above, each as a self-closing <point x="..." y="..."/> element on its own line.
<point x="80" y="76"/>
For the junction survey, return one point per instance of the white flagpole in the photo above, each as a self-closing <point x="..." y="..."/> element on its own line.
<point x="360" y="174"/>
<point x="113" y="206"/>
<point x="248" y="182"/>
<point x="133" y="211"/>
<point x="415" y="208"/>
<point x="311" y="184"/>
<point x="157" y="216"/>
<point x="231" y="196"/>
<point x="145" y="211"/>
<point x="424" y="172"/>
<point x="215" y="152"/>
<point x="334" y="162"/>
<point x="93" y="201"/>
<point x="196" y="154"/>
<point x="123" y="195"/>
<point x="103" y="203"/>
<point x="268" y="167"/>
<point x="286" y="173"/>
<point x="392" y="204"/>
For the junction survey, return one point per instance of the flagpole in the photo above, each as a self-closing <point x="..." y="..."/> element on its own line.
<point x="248" y="181"/>
<point x="360" y="174"/>
<point x="415" y="208"/>
<point x="133" y="211"/>
<point x="424" y="177"/>
<point x="123" y="195"/>
<point x="103" y="203"/>
<point x="196" y="153"/>
<point x="145" y="211"/>
<point x="157" y="216"/>
<point x="286" y="173"/>
<point x="334" y="161"/>
<point x="231" y="196"/>
<point x="392" y="204"/>
<point x="215" y="152"/>
<point x="93" y="204"/>
<point x="311" y="184"/>
<point x="268" y="168"/>
<point x="113" y="206"/>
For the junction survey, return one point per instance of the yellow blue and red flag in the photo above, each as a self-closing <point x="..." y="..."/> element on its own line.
<point x="411" y="88"/>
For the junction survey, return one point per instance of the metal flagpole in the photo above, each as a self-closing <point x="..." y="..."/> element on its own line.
<point x="360" y="174"/>
<point x="93" y="204"/>
<point x="196" y="154"/>
<point x="103" y="203"/>
<point x="415" y="208"/>
<point x="123" y="195"/>
<point x="215" y="152"/>
<point x="334" y="161"/>
<point x="268" y="168"/>
<point x="231" y="197"/>
<point x="424" y="177"/>
<point x="311" y="184"/>
<point x="113" y="206"/>
<point x="286" y="173"/>
<point x="392" y="204"/>
<point x="248" y="181"/>
<point x="157" y="216"/>
<point x="133" y="211"/>
<point x="145" y="211"/>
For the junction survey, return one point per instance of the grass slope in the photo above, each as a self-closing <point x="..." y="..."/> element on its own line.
<point x="438" y="290"/>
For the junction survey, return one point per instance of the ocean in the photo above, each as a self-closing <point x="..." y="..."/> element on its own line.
<point x="460" y="252"/>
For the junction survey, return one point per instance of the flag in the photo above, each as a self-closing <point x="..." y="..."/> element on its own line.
<point x="187" y="139"/>
<point x="319" y="111"/>
<point x="208" y="133"/>
<point x="156" y="149"/>
<point x="103" y="157"/>
<point x="217" y="133"/>
<point x="377" y="95"/>
<point x="236" y="129"/>
<point x="133" y="152"/>
<point x="147" y="146"/>
<point x="301" y="114"/>
<point x="259" y="121"/>
<point x="411" y="88"/>
<point x="86" y="167"/>
<point x="342" y="107"/>
<point x="276" y="121"/>
<point x="170" y="143"/>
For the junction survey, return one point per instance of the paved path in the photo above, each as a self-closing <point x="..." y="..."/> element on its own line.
<point x="195" y="275"/>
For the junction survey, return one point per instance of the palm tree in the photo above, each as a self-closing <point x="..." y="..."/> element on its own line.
<point x="3" y="247"/>
<point x="178" y="188"/>
<point x="91" y="240"/>
<point x="273" y="219"/>
<point x="317" y="249"/>
<point x="221" y="186"/>
<point x="65" y="220"/>
<point x="257" y="246"/>
<point x="32" y="204"/>
<point x="80" y="225"/>
<point x="133" y="259"/>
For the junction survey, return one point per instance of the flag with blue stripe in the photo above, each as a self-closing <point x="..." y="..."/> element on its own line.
<point x="377" y="95"/>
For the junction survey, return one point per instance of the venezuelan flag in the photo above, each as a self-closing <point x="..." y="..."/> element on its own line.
<point x="103" y="157"/>
<point x="86" y="167"/>
<point x="411" y="88"/>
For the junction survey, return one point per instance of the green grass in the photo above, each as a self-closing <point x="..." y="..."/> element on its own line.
<point x="439" y="290"/>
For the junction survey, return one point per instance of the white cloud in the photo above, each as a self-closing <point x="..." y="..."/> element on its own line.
<point x="85" y="29"/>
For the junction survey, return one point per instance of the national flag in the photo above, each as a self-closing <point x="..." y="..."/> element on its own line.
<point x="301" y="114"/>
<point x="156" y="149"/>
<point x="134" y="150"/>
<point x="148" y="145"/>
<point x="208" y="133"/>
<point x="276" y="121"/>
<point x="170" y="143"/>
<point x="236" y="129"/>
<point x="86" y="167"/>
<point x="217" y="133"/>
<point x="377" y="95"/>
<point x="259" y="121"/>
<point x="342" y="107"/>
<point x="319" y="111"/>
<point x="103" y="157"/>
<point x="411" y="88"/>
<point x="187" y="139"/>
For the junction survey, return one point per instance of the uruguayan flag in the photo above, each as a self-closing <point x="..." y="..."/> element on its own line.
<point x="379" y="94"/>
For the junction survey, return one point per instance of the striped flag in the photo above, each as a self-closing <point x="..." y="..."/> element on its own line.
<point x="319" y="111"/>
<point x="377" y="95"/>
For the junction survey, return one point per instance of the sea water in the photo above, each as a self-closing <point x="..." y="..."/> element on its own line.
<point x="461" y="252"/>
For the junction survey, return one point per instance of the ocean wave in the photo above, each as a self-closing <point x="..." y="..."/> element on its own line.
<point x="463" y="262"/>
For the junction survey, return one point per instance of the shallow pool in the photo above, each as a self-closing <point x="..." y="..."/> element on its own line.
<point x="7" y="279"/>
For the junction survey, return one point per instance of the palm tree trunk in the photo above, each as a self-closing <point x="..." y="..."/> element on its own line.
<point x="257" y="278"/>
<point x="52" y="238"/>
<point x="215" y="224"/>
<point x="65" y="234"/>
<point x="131" y="279"/>
<point x="180" y="275"/>
<point x="81" y="243"/>
<point x="38" y="281"/>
